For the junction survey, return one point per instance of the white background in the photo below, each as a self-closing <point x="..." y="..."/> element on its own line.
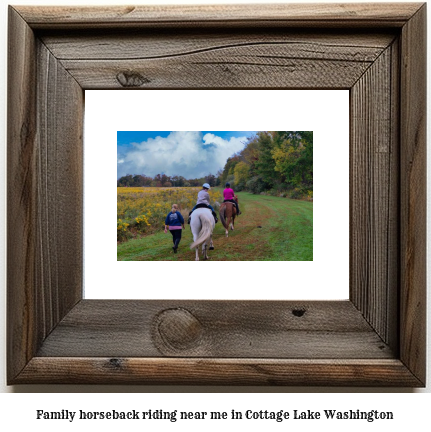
<point x="323" y="112"/>
<point x="18" y="410"/>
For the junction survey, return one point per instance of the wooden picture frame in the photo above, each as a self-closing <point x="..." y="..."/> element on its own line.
<point x="376" y="338"/>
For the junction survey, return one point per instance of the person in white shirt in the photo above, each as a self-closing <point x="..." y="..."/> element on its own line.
<point x="204" y="200"/>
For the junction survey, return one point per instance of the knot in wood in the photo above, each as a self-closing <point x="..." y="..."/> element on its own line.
<point x="115" y="363"/>
<point x="131" y="79"/>
<point x="298" y="312"/>
<point x="178" y="329"/>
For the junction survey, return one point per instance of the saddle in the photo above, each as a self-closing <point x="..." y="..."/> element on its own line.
<point x="202" y="206"/>
<point x="233" y="202"/>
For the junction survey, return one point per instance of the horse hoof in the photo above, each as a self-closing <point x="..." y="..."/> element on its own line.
<point x="211" y="247"/>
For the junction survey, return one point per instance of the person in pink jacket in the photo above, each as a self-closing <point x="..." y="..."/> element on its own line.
<point x="229" y="196"/>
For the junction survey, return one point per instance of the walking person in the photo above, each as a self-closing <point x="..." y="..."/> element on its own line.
<point x="175" y="223"/>
<point x="229" y="196"/>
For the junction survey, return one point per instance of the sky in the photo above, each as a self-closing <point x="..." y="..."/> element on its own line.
<point x="191" y="154"/>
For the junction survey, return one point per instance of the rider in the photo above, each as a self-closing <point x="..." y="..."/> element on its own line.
<point x="204" y="198"/>
<point x="229" y="195"/>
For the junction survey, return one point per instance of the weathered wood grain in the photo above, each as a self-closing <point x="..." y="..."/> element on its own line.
<point x="235" y="329"/>
<point x="140" y="44"/>
<point x="329" y="372"/>
<point x="262" y="66"/>
<point x="201" y="72"/>
<point x="374" y="195"/>
<point x="218" y="60"/>
<point x="413" y="194"/>
<point x="55" y="337"/>
<point x="21" y="194"/>
<point x="59" y="183"/>
<point x="44" y="193"/>
<point x="253" y="15"/>
<point x="392" y="300"/>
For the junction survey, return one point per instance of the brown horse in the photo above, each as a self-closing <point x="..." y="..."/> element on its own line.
<point x="227" y="214"/>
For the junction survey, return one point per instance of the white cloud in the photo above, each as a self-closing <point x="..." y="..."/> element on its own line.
<point x="185" y="153"/>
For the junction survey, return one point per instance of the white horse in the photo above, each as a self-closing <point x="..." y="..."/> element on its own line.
<point x="202" y="225"/>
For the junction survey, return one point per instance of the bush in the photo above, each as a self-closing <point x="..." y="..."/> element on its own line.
<point x="256" y="185"/>
<point x="122" y="231"/>
<point x="240" y="187"/>
<point x="297" y="193"/>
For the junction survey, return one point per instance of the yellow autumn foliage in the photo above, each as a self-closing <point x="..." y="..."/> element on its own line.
<point x="143" y="210"/>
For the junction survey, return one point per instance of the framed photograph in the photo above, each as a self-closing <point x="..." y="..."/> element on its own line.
<point x="376" y="337"/>
<point x="301" y="241"/>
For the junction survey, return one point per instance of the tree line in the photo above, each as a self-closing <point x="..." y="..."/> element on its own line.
<point x="163" y="180"/>
<point x="277" y="163"/>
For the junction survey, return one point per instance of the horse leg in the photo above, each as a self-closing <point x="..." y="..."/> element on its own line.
<point x="204" y="251"/>
<point x="197" y="254"/>
<point x="233" y="220"/>
<point x="211" y="243"/>
<point x="227" y="226"/>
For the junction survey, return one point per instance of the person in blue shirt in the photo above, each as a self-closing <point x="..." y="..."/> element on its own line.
<point x="175" y="223"/>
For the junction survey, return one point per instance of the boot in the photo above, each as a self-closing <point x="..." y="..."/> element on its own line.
<point x="215" y="217"/>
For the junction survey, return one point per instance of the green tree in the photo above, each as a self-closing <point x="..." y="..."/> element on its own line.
<point x="265" y="164"/>
<point x="228" y="169"/>
<point x="279" y="161"/>
<point x="293" y="156"/>
<point x="241" y="175"/>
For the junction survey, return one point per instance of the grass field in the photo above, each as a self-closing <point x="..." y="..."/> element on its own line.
<point x="269" y="229"/>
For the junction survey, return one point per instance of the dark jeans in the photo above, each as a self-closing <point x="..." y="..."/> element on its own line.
<point x="176" y="237"/>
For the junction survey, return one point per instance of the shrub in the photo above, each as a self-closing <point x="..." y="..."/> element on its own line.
<point x="122" y="231"/>
<point x="255" y="185"/>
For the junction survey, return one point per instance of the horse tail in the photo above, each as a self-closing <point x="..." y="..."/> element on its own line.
<point x="222" y="213"/>
<point x="205" y="232"/>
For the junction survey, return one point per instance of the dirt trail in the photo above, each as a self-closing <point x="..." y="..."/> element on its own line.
<point x="247" y="239"/>
<point x="261" y="228"/>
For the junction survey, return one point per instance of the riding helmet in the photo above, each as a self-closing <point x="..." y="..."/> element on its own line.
<point x="206" y="186"/>
<point x="227" y="184"/>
